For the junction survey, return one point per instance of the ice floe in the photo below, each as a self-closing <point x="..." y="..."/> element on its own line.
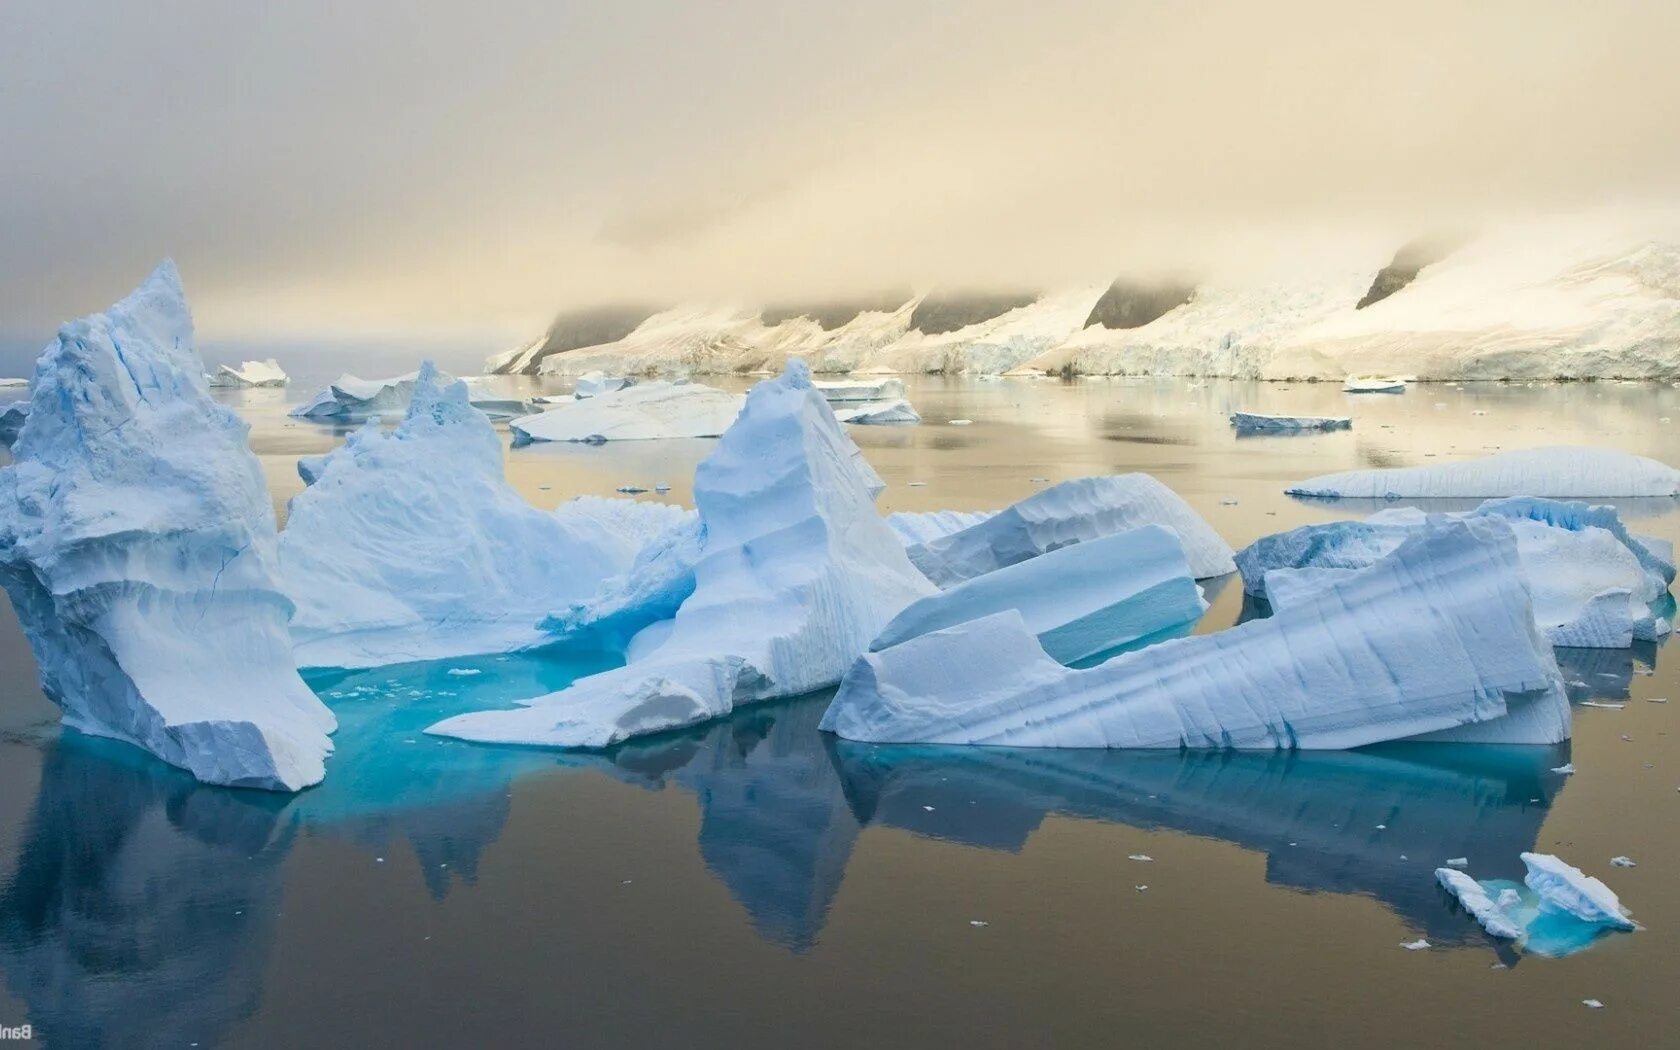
<point x="349" y="399"/>
<point x="1565" y="472"/>
<point x="1254" y="421"/>
<point x="646" y="411"/>
<point x="250" y="374"/>
<point x="1565" y="886"/>
<point x="876" y="413"/>
<point x="796" y="573"/>
<point x="1436" y="640"/>
<point x="1073" y="511"/>
<point x="137" y="544"/>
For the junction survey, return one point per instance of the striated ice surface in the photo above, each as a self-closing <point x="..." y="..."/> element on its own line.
<point x="1068" y="513"/>
<point x="1246" y="421"/>
<point x="796" y="573"/>
<point x="137" y="544"/>
<point x="1079" y="601"/>
<point x="1435" y="640"/>
<point x="646" y="411"/>
<point x="1564" y="472"/>
<point x="250" y="374"/>
<point x="1564" y="886"/>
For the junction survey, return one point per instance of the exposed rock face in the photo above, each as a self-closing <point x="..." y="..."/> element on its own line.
<point x="942" y="312"/>
<point x="1133" y="304"/>
<point x="1403" y="269"/>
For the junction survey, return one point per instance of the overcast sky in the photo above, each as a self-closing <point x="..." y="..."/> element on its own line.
<point x="432" y="166"/>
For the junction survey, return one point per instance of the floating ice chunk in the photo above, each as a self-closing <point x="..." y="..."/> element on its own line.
<point x="492" y="403"/>
<point x="1567" y="472"/>
<point x="876" y="413"/>
<point x="1068" y="513"/>
<point x="646" y="411"/>
<point x="595" y="383"/>
<point x="1564" y="886"/>
<point x="137" y="544"/>
<point x="463" y="672"/>
<point x="1592" y="1004"/>
<point x="1374" y="385"/>
<point x="1623" y="862"/>
<point x="1079" y="601"/>
<point x="885" y="389"/>
<point x="348" y="399"/>
<point x="797" y="572"/>
<point x="924" y="526"/>
<point x="12" y="417"/>
<point x="12" y="382"/>
<point x="1458" y="862"/>
<point x="250" y="374"/>
<point x="1415" y="946"/>
<point x="1434" y="641"/>
<point x="1567" y="769"/>
<point x="1476" y="901"/>
<point x="410" y="545"/>
<point x="1254" y="421"/>
<point x="960" y="422"/>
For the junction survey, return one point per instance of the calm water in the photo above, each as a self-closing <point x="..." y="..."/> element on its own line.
<point x="753" y="882"/>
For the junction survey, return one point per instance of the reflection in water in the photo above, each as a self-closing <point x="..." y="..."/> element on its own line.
<point x="1603" y="674"/>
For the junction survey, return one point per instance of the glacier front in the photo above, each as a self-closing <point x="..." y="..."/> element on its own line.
<point x="796" y="573"/>
<point x="137" y="544"/>
<point x="1434" y="641"/>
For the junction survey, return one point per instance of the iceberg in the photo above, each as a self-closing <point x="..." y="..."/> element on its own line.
<point x="646" y="411"/>
<point x="410" y="545"/>
<point x="1475" y="900"/>
<point x="1565" y="887"/>
<point x="1374" y="385"/>
<point x="12" y="418"/>
<point x="876" y="413"/>
<point x="923" y="526"/>
<point x="1253" y="421"/>
<point x="250" y="374"/>
<point x="492" y="403"/>
<point x="1435" y="641"/>
<point x="797" y="572"/>
<point x="1078" y="601"/>
<point x="1073" y="511"/>
<point x="1594" y="584"/>
<point x="592" y="384"/>
<point x="659" y="580"/>
<point x="1564" y="472"/>
<point x="884" y="389"/>
<point x="137" y="543"/>
<point x="348" y="399"/>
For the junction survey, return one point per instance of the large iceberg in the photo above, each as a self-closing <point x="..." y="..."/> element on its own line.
<point x="797" y="572"/>
<point x="1594" y="585"/>
<point x="1079" y="601"/>
<point x="645" y="411"/>
<point x="1434" y="641"/>
<point x="250" y="374"/>
<point x="349" y="399"/>
<point x="410" y="545"/>
<point x="1077" y="510"/>
<point x="1565" y="472"/>
<point x="137" y="544"/>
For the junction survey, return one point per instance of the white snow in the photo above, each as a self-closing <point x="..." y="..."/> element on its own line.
<point x="349" y="399"/>
<point x="1565" y="472"/>
<point x="646" y="411"/>
<point x="1565" y="886"/>
<point x="1079" y="601"/>
<point x="250" y="374"/>
<point x="1073" y="511"/>
<point x="876" y="413"/>
<point x="137" y="544"/>
<point x="1475" y="900"/>
<point x="1434" y="641"/>
<point x="797" y="572"/>
<point x="1256" y="421"/>
<point x="410" y="545"/>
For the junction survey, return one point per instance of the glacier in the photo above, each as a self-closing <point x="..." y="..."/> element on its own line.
<point x="1563" y="472"/>
<point x="1594" y="584"/>
<point x="645" y="411"/>
<point x="1434" y="641"/>
<point x="410" y="545"/>
<point x="1078" y="601"/>
<point x="1254" y="421"/>
<point x="266" y="373"/>
<point x="1071" y="512"/>
<point x="137" y="543"/>
<point x="797" y="571"/>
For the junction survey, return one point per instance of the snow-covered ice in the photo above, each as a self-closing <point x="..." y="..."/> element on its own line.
<point x="1071" y="512"/>
<point x="796" y="573"/>
<point x="1254" y="421"/>
<point x="1566" y="472"/>
<point x="1434" y="641"/>
<point x="137" y="543"/>
<point x="1079" y="601"/>
<point x="1475" y="900"/>
<point x="349" y="399"/>
<point x="646" y="411"/>
<point x="409" y="544"/>
<point x="250" y="374"/>
<point x="1565" y="886"/>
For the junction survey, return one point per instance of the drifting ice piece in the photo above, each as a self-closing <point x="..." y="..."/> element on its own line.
<point x="797" y="573"/>
<point x="1476" y="901"/>
<point x="646" y="411"/>
<point x="1565" y="472"/>
<point x="249" y="374"/>
<point x="1080" y="600"/>
<point x="870" y="390"/>
<point x="1374" y="385"/>
<point x="1594" y="584"/>
<point x="12" y="417"/>
<point x="137" y="544"/>
<point x="1434" y="640"/>
<point x="866" y="413"/>
<point x="1565" y="886"/>
<point x="1253" y="421"/>
<point x="1077" y="510"/>
<point x="593" y="384"/>
<point x="409" y="545"/>
<point x="923" y="526"/>
<point x="348" y="399"/>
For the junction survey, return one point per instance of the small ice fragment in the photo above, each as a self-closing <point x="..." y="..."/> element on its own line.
<point x="917" y="484"/>
<point x="1656" y="700"/>
<point x="1566" y="887"/>
<point x="379" y="860"/>
<point x="1623" y="862"/>
<point x="928" y="808"/>
<point x="960" y="422"/>
<point x="1565" y="769"/>
<point x="1458" y="862"/>
<point x="631" y="490"/>
<point x="978" y="922"/>
<point x="1382" y="827"/>
<point x="1415" y="946"/>
<point x="1038" y="481"/>
<point x="1592" y="1004"/>
<point x="1140" y="889"/>
<point x="661" y="487"/>
<point x="1603" y="704"/>
<point x="1227" y="502"/>
<point x="1139" y="856"/>
<point x="463" y="672"/>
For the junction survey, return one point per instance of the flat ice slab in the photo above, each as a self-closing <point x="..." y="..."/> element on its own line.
<point x="1256" y="421"/>
<point x="250" y="374"/>
<point x="1073" y="511"/>
<point x="137" y="545"/>
<point x="876" y="413"/>
<point x="646" y="411"/>
<point x="1079" y="601"/>
<point x="861" y="390"/>
<point x="1434" y="641"/>
<point x="1564" y="472"/>
<point x="796" y="572"/>
<point x="349" y="399"/>
<point x="1374" y="385"/>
